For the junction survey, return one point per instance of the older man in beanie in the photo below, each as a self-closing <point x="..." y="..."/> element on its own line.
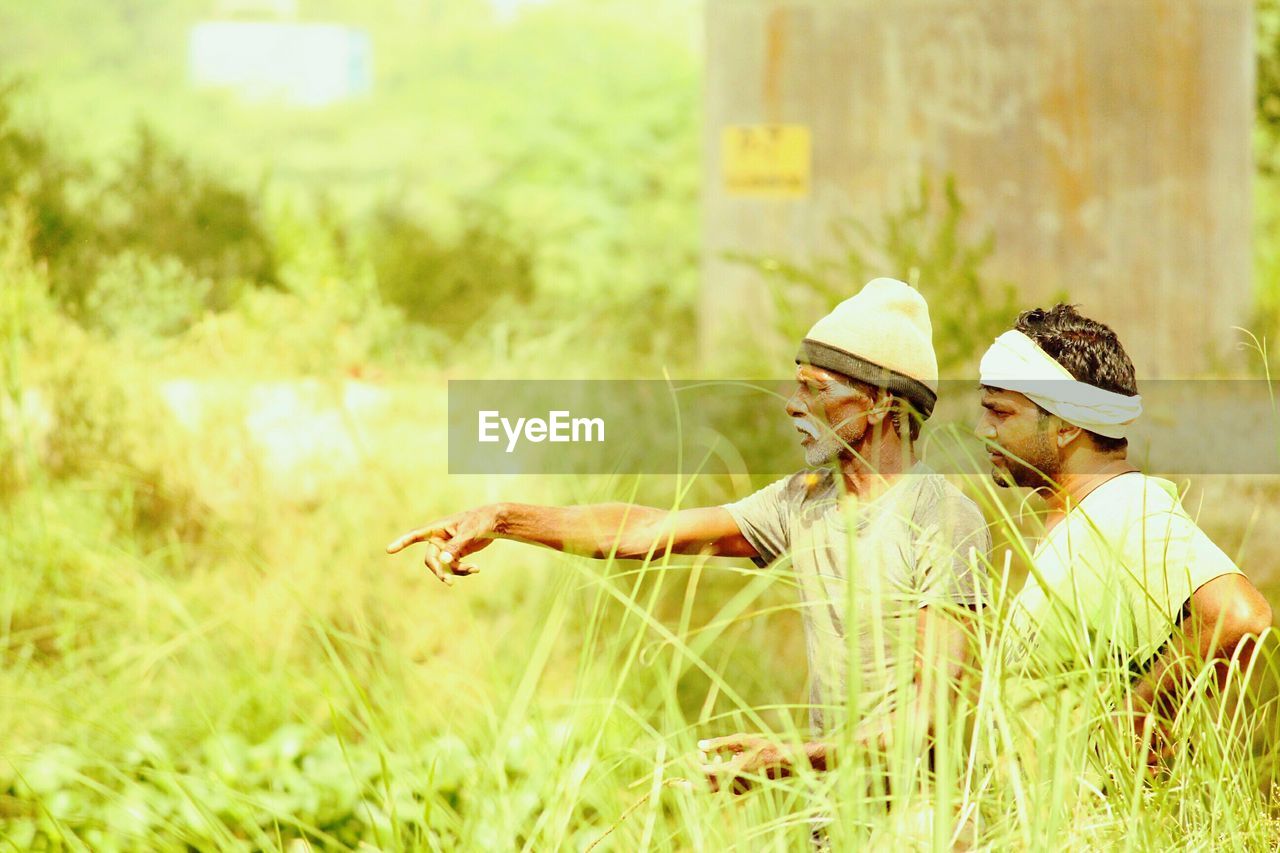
<point x="882" y="547"/>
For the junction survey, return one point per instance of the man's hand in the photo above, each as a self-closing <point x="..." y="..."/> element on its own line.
<point x="450" y="539"/>
<point x="1155" y="746"/>
<point x="749" y="755"/>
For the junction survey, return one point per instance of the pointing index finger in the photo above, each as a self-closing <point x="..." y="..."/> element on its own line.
<point x="419" y="535"/>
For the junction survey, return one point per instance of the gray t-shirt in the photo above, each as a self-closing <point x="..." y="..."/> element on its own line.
<point x="864" y="570"/>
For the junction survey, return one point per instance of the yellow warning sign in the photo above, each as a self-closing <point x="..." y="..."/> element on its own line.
<point x="768" y="160"/>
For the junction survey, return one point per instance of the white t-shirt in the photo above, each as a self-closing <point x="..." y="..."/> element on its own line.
<point x="1108" y="583"/>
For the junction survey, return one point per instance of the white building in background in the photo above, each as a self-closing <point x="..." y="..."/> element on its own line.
<point x="303" y="64"/>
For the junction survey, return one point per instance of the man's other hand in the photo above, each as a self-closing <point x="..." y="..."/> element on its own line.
<point x="733" y="759"/>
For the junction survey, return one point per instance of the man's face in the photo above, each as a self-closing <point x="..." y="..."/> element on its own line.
<point x="830" y="410"/>
<point x="1013" y="426"/>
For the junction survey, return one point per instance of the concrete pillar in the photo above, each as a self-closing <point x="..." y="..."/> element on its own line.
<point x="1105" y="142"/>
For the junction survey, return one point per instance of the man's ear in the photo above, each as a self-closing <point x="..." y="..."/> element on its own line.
<point x="881" y="406"/>
<point x="1068" y="433"/>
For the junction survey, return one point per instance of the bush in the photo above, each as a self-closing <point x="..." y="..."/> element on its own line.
<point x="450" y="284"/>
<point x="1267" y="91"/>
<point x="164" y="206"/>
<point x="26" y="311"/>
<point x="31" y="171"/>
<point x="157" y="204"/>
<point x="135" y="294"/>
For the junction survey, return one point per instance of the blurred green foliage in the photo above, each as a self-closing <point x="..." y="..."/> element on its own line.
<point x="159" y="203"/>
<point x="341" y="794"/>
<point x="31" y="170"/>
<point x="1265" y="319"/>
<point x="577" y="123"/>
<point x="194" y="657"/>
<point x="451" y="284"/>
<point x="135" y="293"/>
<point x="155" y="215"/>
<point x="1267" y="91"/>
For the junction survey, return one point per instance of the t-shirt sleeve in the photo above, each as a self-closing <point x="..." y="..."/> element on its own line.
<point x="1177" y="558"/>
<point x="952" y="542"/>
<point x="762" y="517"/>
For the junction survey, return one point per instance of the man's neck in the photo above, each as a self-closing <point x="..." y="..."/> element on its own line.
<point x="1074" y="485"/>
<point x="874" y="468"/>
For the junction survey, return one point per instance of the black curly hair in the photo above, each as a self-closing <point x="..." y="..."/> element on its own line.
<point x="1089" y="350"/>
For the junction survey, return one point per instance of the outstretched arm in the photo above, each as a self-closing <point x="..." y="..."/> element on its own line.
<point x="625" y="530"/>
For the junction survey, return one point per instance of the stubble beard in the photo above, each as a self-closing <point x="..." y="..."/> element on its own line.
<point x="1040" y="470"/>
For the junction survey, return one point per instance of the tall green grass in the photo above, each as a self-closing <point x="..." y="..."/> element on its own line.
<point x="196" y="656"/>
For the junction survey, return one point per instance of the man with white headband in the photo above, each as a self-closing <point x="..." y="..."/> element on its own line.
<point x="880" y="546"/>
<point x="1123" y="576"/>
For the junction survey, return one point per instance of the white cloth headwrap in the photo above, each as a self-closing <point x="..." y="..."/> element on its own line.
<point x="1015" y="363"/>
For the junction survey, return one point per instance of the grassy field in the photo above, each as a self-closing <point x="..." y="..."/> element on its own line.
<point x="205" y="647"/>
<point x="202" y="643"/>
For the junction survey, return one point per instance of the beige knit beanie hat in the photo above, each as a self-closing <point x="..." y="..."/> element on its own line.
<point x="881" y="336"/>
